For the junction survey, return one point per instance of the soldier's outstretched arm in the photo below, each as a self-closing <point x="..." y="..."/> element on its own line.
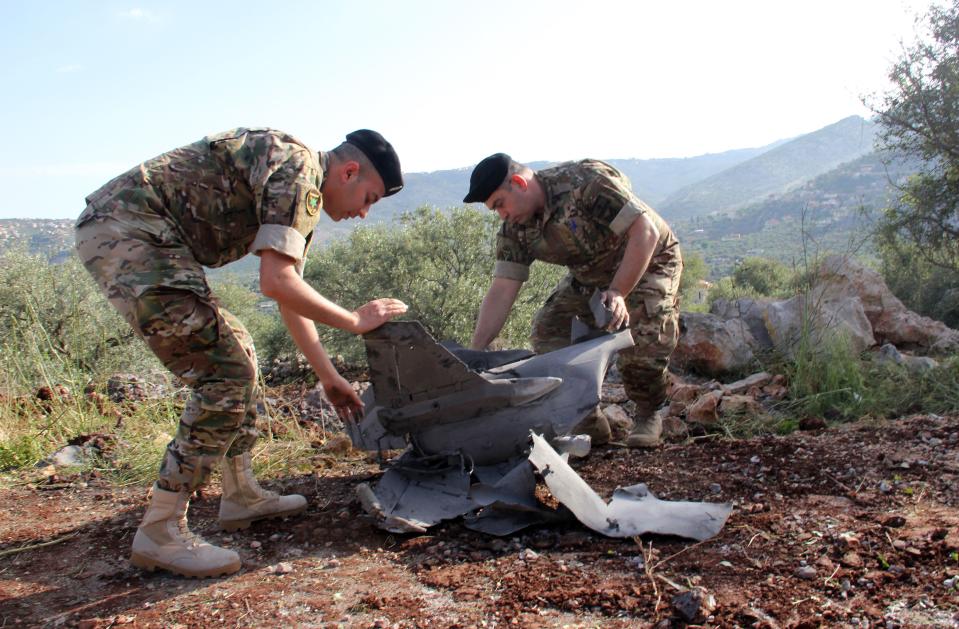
<point x="496" y="305"/>
<point x="337" y="389"/>
<point x="280" y="281"/>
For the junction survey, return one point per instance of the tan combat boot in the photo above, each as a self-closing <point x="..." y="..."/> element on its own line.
<point x="646" y="433"/>
<point x="244" y="501"/>
<point x="164" y="541"/>
<point x="596" y="426"/>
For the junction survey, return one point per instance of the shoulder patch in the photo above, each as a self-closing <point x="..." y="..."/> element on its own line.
<point x="313" y="200"/>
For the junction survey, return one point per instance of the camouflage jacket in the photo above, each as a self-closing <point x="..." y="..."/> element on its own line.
<point x="228" y="194"/>
<point x="589" y="207"/>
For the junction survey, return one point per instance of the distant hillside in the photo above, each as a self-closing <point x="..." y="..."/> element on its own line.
<point x="725" y="205"/>
<point x="52" y="238"/>
<point x="656" y="179"/>
<point x="785" y="166"/>
<point x="834" y="210"/>
<point x="653" y="180"/>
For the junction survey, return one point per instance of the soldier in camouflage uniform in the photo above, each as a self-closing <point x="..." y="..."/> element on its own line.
<point x="145" y="237"/>
<point x="584" y="215"/>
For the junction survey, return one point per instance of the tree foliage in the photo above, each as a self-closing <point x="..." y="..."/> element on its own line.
<point x="919" y="235"/>
<point x="765" y="276"/>
<point x="438" y="263"/>
<point x="56" y="326"/>
<point x="694" y="271"/>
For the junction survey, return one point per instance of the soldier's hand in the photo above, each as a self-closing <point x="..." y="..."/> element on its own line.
<point x="616" y="304"/>
<point x="372" y="315"/>
<point x="344" y="399"/>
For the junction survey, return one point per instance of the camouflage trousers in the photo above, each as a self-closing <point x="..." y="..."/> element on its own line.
<point x="153" y="280"/>
<point x="653" y="321"/>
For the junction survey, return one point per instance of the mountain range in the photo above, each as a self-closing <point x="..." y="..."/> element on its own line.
<point x="736" y="195"/>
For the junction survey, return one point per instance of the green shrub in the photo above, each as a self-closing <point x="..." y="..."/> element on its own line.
<point x="766" y="277"/>
<point x="439" y="263"/>
<point x="56" y="326"/>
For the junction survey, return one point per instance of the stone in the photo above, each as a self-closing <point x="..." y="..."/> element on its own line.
<point x="916" y="364"/>
<point x="806" y="572"/>
<point x="693" y="604"/>
<point x="818" y="323"/>
<point x="128" y="387"/>
<point x="674" y="428"/>
<point x="620" y="423"/>
<point x="713" y="346"/>
<point x="890" y="319"/>
<point x="69" y="456"/>
<point x="752" y="313"/>
<point x="760" y="379"/>
<point x="685" y="392"/>
<point x="851" y="560"/>
<point x="705" y="409"/>
<point x="740" y="406"/>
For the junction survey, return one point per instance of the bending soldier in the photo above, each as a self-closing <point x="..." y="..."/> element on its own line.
<point x="584" y="215"/>
<point x="145" y="237"/>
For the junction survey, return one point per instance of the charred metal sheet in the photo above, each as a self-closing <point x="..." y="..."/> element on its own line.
<point x="509" y="505"/>
<point x="463" y="421"/>
<point x="423" y="392"/>
<point x="632" y="511"/>
<point x="417" y="493"/>
<point x="369" y="433"/>
<point x="482" y="360"/>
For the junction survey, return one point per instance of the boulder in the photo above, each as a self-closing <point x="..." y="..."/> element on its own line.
<point x="818" y="322"/>
<point x="713" y="346"/>
<point x="752" y="313"/>
<point x="916" y="364"/>
<point x="891" y="321"/>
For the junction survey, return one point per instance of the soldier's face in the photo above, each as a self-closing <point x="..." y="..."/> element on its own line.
<point x="513" y="203"/>
<point x="351" y="196"/>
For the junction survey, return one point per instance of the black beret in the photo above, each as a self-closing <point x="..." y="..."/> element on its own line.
<point x="381" y="155"/>
<point x="488" y="175"/>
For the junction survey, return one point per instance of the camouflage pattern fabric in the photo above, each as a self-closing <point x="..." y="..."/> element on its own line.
<point x="589" y="207"/>
<point x="220" y="191"/>
<point x="145" y="236"/>
<point x="643" y="367"/>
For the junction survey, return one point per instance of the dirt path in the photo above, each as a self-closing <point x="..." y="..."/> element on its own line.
<point x="856" y="526"/>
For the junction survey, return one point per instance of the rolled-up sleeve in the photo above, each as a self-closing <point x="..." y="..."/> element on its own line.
<point x="289" y="208"/>
<point x="611" y="200"/>
<point x="512" y="259"/>
<point x="511" y="270"/>
<point x="281" y="239"/>
<point x="631" y="210"/>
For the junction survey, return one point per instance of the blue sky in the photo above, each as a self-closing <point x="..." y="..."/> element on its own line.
<point x="92" y="88"/>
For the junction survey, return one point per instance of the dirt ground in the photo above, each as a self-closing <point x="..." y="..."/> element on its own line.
<point x="849" y="526"/>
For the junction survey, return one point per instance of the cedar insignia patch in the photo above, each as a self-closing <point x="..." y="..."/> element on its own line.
<point x="313" y="198"/>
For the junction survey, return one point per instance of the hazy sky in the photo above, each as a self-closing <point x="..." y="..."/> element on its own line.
<point x="92" y="88"/>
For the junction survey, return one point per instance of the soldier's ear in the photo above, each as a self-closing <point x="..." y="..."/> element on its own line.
<point x="518" y="180"/>
<point x="351" y="170"/>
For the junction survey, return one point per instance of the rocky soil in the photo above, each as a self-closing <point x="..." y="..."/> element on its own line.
<point x="854" y="526"/>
